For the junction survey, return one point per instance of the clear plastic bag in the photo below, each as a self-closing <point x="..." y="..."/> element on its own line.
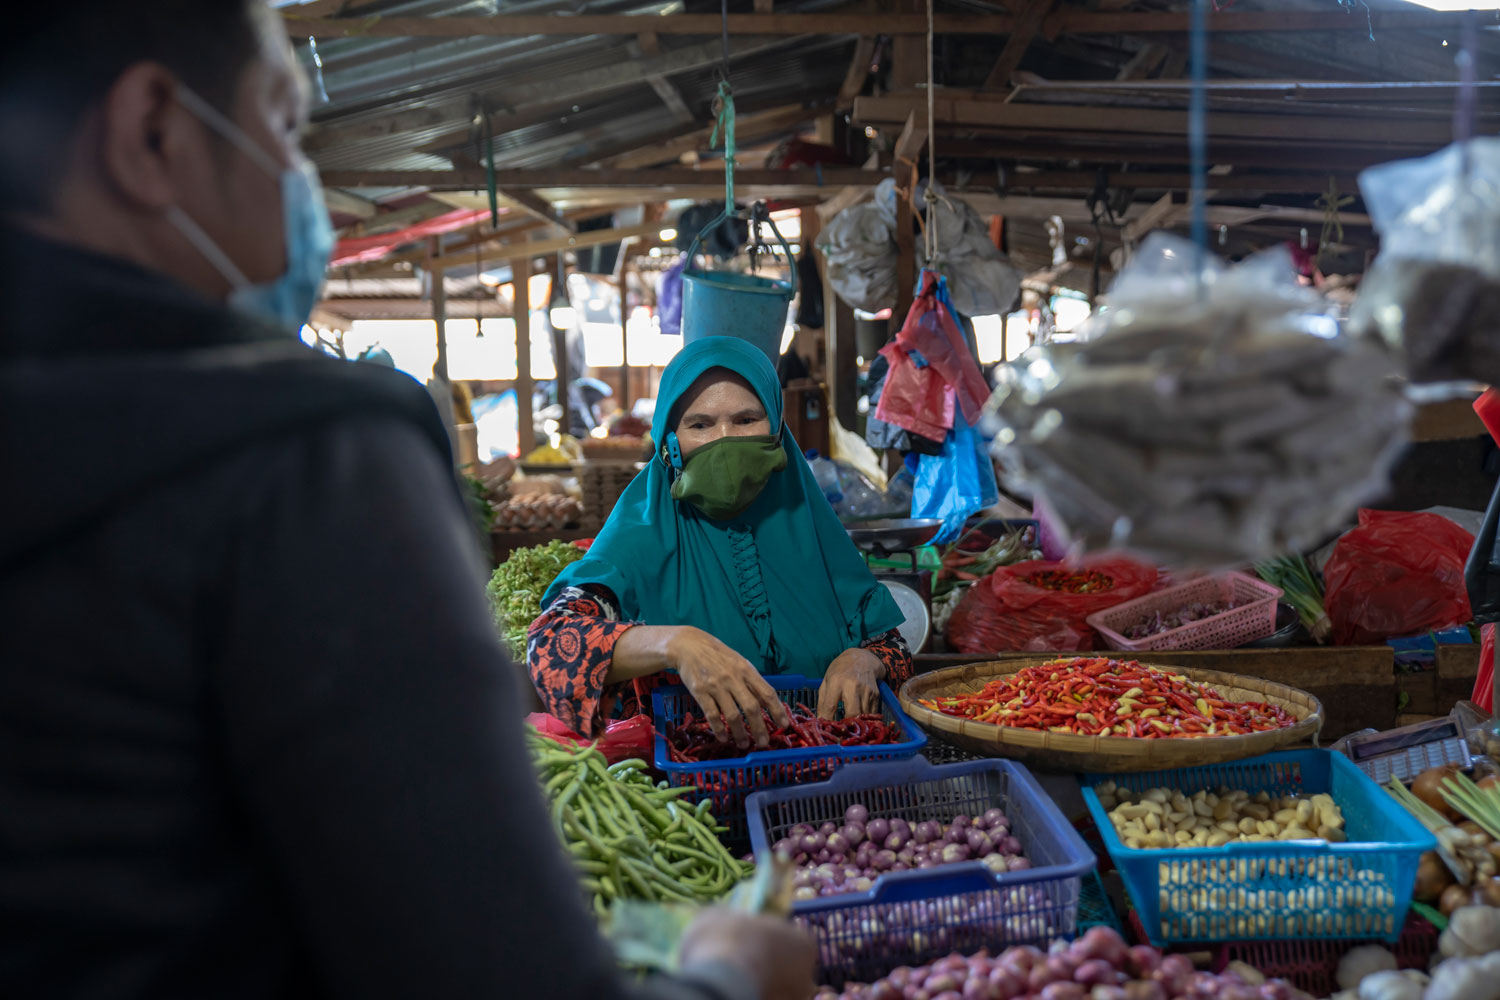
<point x="860" y="247"/>
<point x="981" y="280"/>
<point x="1203" y="421"/>
<point x="1434" y="291"/>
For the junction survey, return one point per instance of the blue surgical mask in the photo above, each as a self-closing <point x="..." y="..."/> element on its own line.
<point x="287" y="301"/>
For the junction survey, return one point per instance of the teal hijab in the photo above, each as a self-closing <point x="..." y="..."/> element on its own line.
<point x="781" y="585"/>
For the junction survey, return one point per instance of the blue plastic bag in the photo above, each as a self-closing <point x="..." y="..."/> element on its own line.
<point x="669" y="299"/>
<point x="961" y="480"/>
<point x="955" y="484"/>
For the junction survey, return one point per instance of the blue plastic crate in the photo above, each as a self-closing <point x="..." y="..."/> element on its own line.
<point x="728" y="782"/>
<point x="911" y="917"/>
<point x="1280" y="889"/>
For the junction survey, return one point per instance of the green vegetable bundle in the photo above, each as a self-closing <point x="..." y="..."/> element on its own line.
<point x="517" y="586"/>
<point x="1300" y="589"/>
<point x="628" y="837"/>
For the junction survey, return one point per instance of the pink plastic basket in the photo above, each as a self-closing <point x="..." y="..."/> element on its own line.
<point x="1253" y="618"/>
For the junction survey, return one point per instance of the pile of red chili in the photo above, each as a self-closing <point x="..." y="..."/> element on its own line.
<point x="692" y="742"/>
<point x="1088" y="581"/>
<point x="1102" y="697"/>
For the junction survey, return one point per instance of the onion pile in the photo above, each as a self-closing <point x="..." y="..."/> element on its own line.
<point x="835" y="858"/>
<point x="915" y="930"/>
<point x="1097" y="966"/>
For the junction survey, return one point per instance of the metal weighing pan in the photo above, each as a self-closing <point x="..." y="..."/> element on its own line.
<point x="883" y="538"/>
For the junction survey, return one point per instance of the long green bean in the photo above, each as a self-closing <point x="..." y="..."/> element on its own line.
<point x="628" y="836"/>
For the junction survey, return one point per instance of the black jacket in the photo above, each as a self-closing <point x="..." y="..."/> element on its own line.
<point x="257" y="736"/>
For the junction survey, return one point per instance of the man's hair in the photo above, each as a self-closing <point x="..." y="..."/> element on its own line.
<point x="58" y="58"/>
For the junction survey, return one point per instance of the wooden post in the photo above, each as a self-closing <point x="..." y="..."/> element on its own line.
<point x="520" y="270"/>
<point x="562" y="376"/>
<point x="625" y="399"/>
<point x="909" y="146"/>
<point x="439" y="287"/>
<point x="908" y="52"/>
<point x="441" y="388"/>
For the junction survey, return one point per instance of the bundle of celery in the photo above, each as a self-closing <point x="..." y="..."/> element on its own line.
<point x="1300" y="589"/>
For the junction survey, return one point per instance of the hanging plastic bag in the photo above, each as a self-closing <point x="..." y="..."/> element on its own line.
<point x="1211" y="415"/>
<point x="623" y="739"/>
<point x="1016" y="608"/>
<point x="859" y="246"/>
<point x="1396" y="574"/>
<point x="915" y="397"/>
<point x="1434" y="291"/>
<point x="981" y="279"/>
<point x="956" y="483"/>
<point x="932" y="332"/>
<point x="669" y="299"/>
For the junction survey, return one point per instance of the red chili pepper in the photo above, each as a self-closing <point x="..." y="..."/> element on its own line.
<point x="692" y="741"/>
<point x="1085" y="695"/>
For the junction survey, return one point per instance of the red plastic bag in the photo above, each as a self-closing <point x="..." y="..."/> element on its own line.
<point x="623" y="739"/>
<point x="914" y="399"/>
<point x="931" y="330"/>
<point x="1484" y="684"/>
<point x="1396" y="574"/>
<point x="1004" y="612"/>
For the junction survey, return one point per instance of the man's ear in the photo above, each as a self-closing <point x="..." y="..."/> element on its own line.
<point x="145" y="136"/>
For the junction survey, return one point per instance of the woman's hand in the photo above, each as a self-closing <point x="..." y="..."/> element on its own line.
<point x="854" y="679"/>
<point x="723" y="683"/>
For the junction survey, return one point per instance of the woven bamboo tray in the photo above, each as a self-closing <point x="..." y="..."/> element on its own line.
<point x="1107" y="754"/>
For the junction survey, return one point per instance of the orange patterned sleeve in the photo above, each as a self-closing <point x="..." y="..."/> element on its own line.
<point x="892" y="650"/>
<point x="569" y="649"/>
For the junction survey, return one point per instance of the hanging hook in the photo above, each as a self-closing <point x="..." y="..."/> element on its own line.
<point x="1223" y="236"/>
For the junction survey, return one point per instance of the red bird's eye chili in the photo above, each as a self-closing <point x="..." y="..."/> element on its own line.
<point x="692" y="741"/>
<point x="1083" y="582"/>
<point x="1097" y="696"/>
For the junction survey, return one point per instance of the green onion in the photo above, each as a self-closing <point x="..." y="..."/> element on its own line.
<point x="1299" y="589"/>
<point x="1482" y="805"/>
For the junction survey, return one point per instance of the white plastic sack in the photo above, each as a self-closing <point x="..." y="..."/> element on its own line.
<point x="859" y="245"/>
<point x="1433" y="294"/>
<point x="981" y="280"/>
<point x="1203" y="426"/>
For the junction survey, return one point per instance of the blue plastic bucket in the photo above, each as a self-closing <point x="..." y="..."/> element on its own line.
<point x="730" y="304"/>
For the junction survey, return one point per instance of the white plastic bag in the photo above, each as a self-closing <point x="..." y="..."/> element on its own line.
<point x="859" y="245"/>
<point x="981" y="280"/>
<point x="1203" y="424"/>
<point x="1433" y="294"/>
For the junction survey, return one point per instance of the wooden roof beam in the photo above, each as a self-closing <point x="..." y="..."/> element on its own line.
<point x="858" y="72"/>
<point x="538" y="208"/>
<point x="974" y="112"/>
<point x="1085" y="180"/>
<point x="748" y="127"/>
<point x="1077" y="22"/>
<point x="1028" y="23"/>
<point x="474" y="180"/>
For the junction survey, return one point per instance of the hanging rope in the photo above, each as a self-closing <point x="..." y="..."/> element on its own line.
<point x="1198" y="128"/>
<point x="929" y="233"/>
<point x="1464" y="108"/>
<point x="724" y="123"/>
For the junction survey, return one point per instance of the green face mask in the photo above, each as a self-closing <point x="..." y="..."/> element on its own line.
<point x="724" y="477"/>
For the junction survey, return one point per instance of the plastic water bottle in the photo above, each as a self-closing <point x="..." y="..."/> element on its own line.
<point x="827" y="474"/>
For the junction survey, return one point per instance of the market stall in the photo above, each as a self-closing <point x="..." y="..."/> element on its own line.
<point x="1196" y="625"/>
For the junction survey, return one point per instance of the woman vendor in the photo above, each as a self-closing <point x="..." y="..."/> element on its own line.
<point x="721" y="562"/>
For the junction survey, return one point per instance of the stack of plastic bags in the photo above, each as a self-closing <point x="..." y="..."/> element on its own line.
<point x="1434" y="292"/>
<point x="1210" y="415"/>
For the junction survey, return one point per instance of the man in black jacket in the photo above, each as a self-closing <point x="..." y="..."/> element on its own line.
<point x="257" y="737"/>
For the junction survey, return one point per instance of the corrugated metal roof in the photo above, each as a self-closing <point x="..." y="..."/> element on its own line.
<point x="369" y="79"/>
